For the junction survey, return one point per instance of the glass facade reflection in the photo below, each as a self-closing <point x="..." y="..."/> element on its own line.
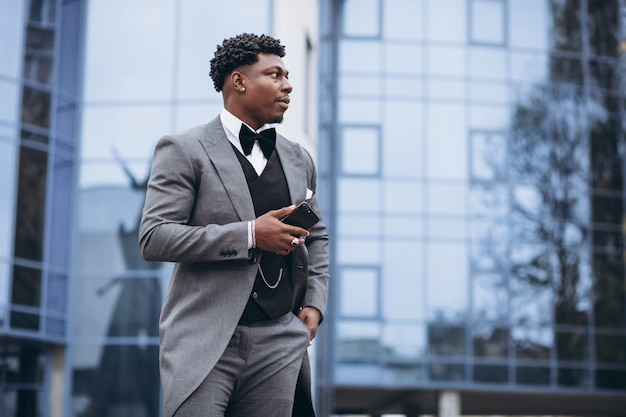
<point x="473" y="154"/>
<point x="471" y="161"/>
<point x="37" y="175"/>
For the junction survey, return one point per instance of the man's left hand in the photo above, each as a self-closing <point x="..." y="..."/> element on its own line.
<point x="310" y="316"/>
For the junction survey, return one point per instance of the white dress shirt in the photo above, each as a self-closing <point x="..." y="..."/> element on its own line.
<point x="232" y="125"/>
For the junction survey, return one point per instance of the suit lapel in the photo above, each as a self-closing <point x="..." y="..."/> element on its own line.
<point x="222" y="156"/>
<point x="221" y="153"/>
<point x="294" y="169"/>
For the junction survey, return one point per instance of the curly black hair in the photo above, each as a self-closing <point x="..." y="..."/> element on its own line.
<point x="239" y="51"/>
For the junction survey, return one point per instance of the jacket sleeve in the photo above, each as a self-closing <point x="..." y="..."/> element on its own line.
<point x="317" y="245"/>
<point x="165" y="232"/>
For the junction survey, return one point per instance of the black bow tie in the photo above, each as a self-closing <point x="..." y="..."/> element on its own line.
<point x="266" y="138"/>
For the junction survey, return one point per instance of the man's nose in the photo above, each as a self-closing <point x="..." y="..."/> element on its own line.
<point x="287" y="86"/>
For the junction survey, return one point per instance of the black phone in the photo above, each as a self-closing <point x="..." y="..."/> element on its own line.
<point x="303" y="216"/>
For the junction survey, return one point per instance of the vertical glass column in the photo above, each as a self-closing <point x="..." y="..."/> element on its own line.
<point x="33" y="164"/>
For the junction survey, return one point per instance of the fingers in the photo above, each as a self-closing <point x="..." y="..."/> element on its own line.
<point x="273" y="235"/>
<point x="282" y="212"/>
<point x="294" y="242"/>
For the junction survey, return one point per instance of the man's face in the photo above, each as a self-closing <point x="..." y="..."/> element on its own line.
<point x="267" y="91"/>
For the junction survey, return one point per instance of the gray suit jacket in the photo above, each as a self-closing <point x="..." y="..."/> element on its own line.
<point x="196" y="214"/>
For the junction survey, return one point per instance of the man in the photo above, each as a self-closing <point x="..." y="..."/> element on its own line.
<point x="247" y="291"/>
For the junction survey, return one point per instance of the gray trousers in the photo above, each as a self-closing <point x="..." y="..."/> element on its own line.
<point x="256" y="375"/>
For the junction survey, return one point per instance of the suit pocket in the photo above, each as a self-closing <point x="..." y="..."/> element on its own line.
<point x="302" y="326"/>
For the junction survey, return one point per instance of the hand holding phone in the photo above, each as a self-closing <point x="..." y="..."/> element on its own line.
<point x="302" y="216"/>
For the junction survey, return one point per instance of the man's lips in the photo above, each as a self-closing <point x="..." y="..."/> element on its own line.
<point x="284" y="102"/>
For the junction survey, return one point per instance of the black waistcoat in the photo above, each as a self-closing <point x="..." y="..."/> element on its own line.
<point x="269" y="191"/>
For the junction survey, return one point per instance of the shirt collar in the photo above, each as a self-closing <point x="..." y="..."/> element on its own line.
<point x="233" y="123"/>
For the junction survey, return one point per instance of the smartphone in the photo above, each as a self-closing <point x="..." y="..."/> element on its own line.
<point x="303" y="216"/>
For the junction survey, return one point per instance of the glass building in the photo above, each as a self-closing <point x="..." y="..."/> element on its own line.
<point x="470" y="155"/>
<point x="473" y="154"/>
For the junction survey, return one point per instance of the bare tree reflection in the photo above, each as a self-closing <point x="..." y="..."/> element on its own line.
<point x="563" y="187"/>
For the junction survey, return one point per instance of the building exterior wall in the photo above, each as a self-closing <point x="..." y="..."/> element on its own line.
<point x="474" y="158"/>
<point x="470" y="154"/>
<point x="40" y="88"/>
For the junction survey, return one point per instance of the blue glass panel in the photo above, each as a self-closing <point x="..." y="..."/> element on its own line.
<point x="116" y="379"/>
<point x="404" y="343"/>
<point x="55" y="327"/>
<point x="359" y="251"/>
<point x="402" y="374"/>
<point x="446" y="198"/>
<point x="4" y="292"/>
<point x="529" y="24"/>
<point x="57" y="293"/>
<point x="488" y="63"/>
<point x="532" y="375"/>
<point x="489" y="296"/>
<point x="489" y="341"/>
<point x="134" y="60"/>
<point x="573" y="377"/>
<point x="403" y="197"/>
<point x="117" y="307"/>
<point x="531" y="342"/>
<point x="572" y="346"/>
<point x="111" y="130"/>
<point x="358" y="341"/>
<point x="447" y="372"/>
<point x="61" y="209"/>
<point x="610" y="348"/>
<point x="9" y="105"/>
<point x="359" y="111"/>
<point x="491" y="373"/>
<point x="398" y="226"/>
<point x="36" y="107"/>
<point x="451" y="20"/>
<point x="70" y="38"/>
<point x="11" y="37"/>
<point x="403" y="280"/>
<point x="611" y="379"/>
<point x="446" y="341"/>
<point x="360" y="150"/>
<point x="403" y="19"/>
<point x="447" y="141"/>
<point x="361" y="18"/>
<point x="30" y="218"/>
<point x="352" y="226"/>
<point x="446" y="61"/>
<point x="25" y="321"/>
<point x="487" y="21"/>
<point x="359" y="196"/>
<point x="26" y="286"/>
<point x="360" y="56"/>
<point x="65" y="113"/>
<point x="7" y="189"/>
<point x="360" y="85"/>
<point x="448" y="287"/>
<point x="359" y="290"/>
<point x="404" y="59"/>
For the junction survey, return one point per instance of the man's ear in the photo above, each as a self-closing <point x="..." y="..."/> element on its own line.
<point x="237" y="80"/>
